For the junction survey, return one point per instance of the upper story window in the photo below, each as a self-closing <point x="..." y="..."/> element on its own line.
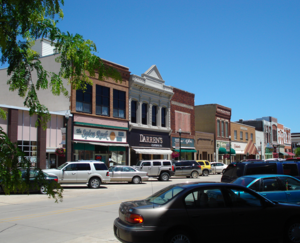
<point x="84" y="100"/>
<point x="235" y="134"/>
<point x="226" y="129"/>
<point x="222" y="127"/>
<point x="241" y="135"/>
<point x="119" y="103"/>
<point x="163" y="117"/>
<point x="251" y="135"/>
<point x="218" y="128"/>
<point x="133" y="111"/>
<point x="246" y="136"/>
<point x="102" y="100"/>
<point x="154" y="115"/>
<point x="144" y="113"/>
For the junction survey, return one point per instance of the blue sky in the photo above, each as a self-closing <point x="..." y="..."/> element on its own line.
<point x="240" y="54"/>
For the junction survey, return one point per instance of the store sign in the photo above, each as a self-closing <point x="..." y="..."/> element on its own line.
<point x="99" y="135"/>
<point x="148" y="139"/>
<point x="185" y="142"/>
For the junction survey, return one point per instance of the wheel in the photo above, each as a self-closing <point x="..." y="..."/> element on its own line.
<point x="292" y="232"/>
<point x="43" y="190"/>
<point x="195" y="174"/>
<point x="94" y="183"/>
<point x="205" y="173"/>
<point x="164" y="176"/>
<point x="136" y="180"/>
<point x="179" y="236"/>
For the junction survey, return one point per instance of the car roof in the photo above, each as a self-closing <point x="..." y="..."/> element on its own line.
<point x="205" y="184"/>
<point x="265" y="176"/>
<point x="92" y="161"/>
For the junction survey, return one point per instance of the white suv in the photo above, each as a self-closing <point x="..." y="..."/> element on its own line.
<point x="89" y="172"/>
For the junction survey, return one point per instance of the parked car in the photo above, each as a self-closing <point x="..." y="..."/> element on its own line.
<point x="34" y="184"/>
<point x="127" y="173"/>
<point x="205" y="167"/>
<point x="188" y="168"/>
<point x="235" y="170"/>
<point x="218" y="167"/>
<point x="177" y="212"/>
<point x="160" y="169"/>
<point x="89" y="172"/>
<point x="280" y="188"/>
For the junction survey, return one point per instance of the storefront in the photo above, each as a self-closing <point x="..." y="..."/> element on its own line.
<point x="109" y="146"/>
<point x="146" y="145"/>
<point x="186" y="148"/>
<point x="244" y="150"/>
<point x="225" y="150"/>
<point x="269" y="151"/>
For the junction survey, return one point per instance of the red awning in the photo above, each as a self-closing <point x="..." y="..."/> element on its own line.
<point x="290" y="154"/>
<point x="275" y="155"/>
<point x="250" y="148"/>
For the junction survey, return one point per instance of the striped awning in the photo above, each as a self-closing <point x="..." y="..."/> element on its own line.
<point x="250" y="148"/>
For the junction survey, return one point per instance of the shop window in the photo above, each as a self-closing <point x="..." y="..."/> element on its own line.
<point x="102" y="100"/>
<point x="226" y="129"/>
<point x="154" y="115"/>
<point x="133" y="111"/>
<point x="241" y="135"/>
<point x="156" y="156"/>
<point x="246" y="136"/>
<point x="119" y="104"/>
<point x="222" y="128"/>
<point x="84" y="100"/>
<point x="144" y="113"/>
<point x="163" y="117"/>
<point x="218" y="128"/>
<point x="29" y="149"/>
<point x="251" y="135"/>
<point x="235" y="134"/>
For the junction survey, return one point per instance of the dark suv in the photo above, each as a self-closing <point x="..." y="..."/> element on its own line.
<point x="235" y="170"/>
<point x="188" y="168"/>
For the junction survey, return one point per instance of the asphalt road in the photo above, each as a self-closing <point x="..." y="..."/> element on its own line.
<point x="85" y="215"/>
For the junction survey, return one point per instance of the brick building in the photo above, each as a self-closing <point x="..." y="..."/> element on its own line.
<point x="183" y="117"/>
<point x="204" y="144"/>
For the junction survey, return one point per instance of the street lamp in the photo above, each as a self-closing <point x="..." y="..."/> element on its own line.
<point x="179" y="131"/>
<point x="230" y="148"/>
<point x="67" y="115"/>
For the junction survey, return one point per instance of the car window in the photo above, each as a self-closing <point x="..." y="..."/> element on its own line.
<point x="166" y="163"/>
<point x="290" y="169"/>
<point x="146" y="164"/>
<point x="71" y="167"/>
<point x="207" y="163"/>
<point x="100" y="166"/>
<point x="261" y="169"/>
<point x="210" y="198"/>
<point x="243" y="181"/>
<point x="243" y="199"/>
<point x="201" y="163"/>
<point x="62" y="166"/>
<point x="128" y="169"/>
<point x="118" y="169"/>
<point x="213" y="165"/>
<point x="178" y="164"/>
<point x="255" y="186"/>
<point x="138" y="163"/>
<point x="156" y="163"/>
<point x="290" y="183"/>
<point x="165" y="195"/>
<point x="83" y="166"/>
<point x="270" y="184"/>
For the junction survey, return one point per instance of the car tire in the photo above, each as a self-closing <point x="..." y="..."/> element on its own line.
<point x="164" y="176"/>
<point x="205" y="173"/>
<point x="136" y="180"/>
<point x="43" y="190"/>
<point x="195" y="174"/>
<point x="94" y="183"/>
<point x="179" y="236"/>
<point x="292" y="231"/>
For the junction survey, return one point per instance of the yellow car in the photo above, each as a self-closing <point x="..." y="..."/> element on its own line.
<point x="205" y="167"/>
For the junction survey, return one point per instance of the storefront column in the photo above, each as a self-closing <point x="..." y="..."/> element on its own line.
<point x="150" y="115"/>
<point x="139" y="112"/>
<point x="41" y="153"/>
<point x="159" y="117"/>
<point x="12" y="128"/>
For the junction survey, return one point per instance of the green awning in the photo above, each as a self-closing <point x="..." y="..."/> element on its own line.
<point x="186" y="150"/>
<point x="116" y="148"/>
<point x="268" y="153"/>
<point x="283" y="153"/>
<point x="224" y="151"/>
<point x="84" y="146"/>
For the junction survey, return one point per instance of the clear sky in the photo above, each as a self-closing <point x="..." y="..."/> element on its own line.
<point x="236" y="53"/>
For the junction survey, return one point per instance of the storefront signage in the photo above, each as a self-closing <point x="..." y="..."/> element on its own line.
<point x="185" y="142"/>
<point x="223" y="111"/>
<point x="244" y="128"/>
<point x="98" y="135"/>
<point x="148" y="139"/>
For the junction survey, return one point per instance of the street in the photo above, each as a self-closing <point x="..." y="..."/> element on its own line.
<point x="85" y="215"/>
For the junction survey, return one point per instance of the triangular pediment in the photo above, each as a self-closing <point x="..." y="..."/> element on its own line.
<point x="153" y="72"/>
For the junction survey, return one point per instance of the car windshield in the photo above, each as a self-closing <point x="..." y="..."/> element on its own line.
<point x="138" y="163"/>
<point x="165" y="195"/>
<point x="243" y="181"/>
<point x="62" y="166"/>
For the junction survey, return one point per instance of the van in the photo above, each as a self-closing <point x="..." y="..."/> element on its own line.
<point x="237" y="169"/>
<point x="188" y="168"/>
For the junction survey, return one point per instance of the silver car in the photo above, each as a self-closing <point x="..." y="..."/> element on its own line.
<point x="127" y="173"/>
<point x="218" y="167"/>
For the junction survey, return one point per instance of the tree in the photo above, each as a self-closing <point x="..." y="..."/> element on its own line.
<point x="22" y="22"/>
<point x="297" y="152"/>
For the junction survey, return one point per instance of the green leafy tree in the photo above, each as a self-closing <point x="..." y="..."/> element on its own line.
<point x="22" y="22"/>
<point x="297" y="152"/>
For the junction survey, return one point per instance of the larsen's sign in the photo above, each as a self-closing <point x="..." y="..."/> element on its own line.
<point x="150" y="139"/>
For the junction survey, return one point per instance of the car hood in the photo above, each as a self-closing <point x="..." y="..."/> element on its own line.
<point x="51" y="171"/>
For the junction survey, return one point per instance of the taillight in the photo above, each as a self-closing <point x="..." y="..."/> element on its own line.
<point x="134" y="218"/>
<point x="173" y="168"/>
<point x="199" y="166"/>
<point x="107" y="173"/>
<point x="56" y="179"/>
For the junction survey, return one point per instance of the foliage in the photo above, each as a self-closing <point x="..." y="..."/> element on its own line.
<point x="10" y="171"/>
<point x="22" y="22"/>
<point x="297" y="152"/>
<point x="60" y="152"/>
<point x="175" y="155"/>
